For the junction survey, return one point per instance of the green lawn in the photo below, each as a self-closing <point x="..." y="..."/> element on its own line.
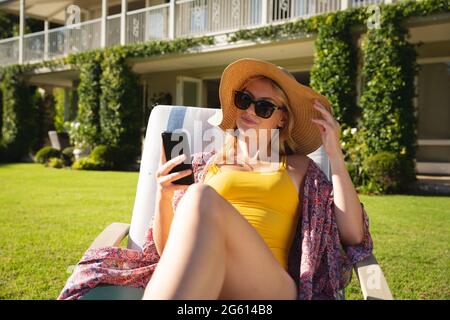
<point x="49" y="217"/>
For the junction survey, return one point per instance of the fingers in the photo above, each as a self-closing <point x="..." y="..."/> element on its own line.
<point x="174" y="176"/>
<point x="325" y="113"/>
<point x="328" y="117"/>
<point x="325" y="125"/>
<point x="169" y="165"/>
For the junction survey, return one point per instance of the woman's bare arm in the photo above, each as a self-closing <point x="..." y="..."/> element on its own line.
<point x="163" y="220"/>
<point x="164" y="195"/>
<point x="347" y="206"/>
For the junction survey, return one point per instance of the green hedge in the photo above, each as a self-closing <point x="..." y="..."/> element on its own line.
<point x="120" y="109"/>
<point x="87" y="133"/>
<point x="333" y="73"/>
<point x="19" y="127"/>
<point x="388" y="120"/>
<point x="45" y="153"/>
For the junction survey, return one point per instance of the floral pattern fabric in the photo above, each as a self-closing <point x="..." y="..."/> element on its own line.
<point x="320" y="265"/>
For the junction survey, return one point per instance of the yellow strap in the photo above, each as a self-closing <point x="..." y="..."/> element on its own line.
<point x="284" y="161"/>
<point x="214" y="168"/>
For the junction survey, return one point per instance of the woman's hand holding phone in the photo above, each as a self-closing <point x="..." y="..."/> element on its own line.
<point x="164" y="178"/>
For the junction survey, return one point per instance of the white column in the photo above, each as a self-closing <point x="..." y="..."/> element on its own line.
<point x="264" y="13"/>
<point x="103" y="26"/>
<point x="346" y="4"/>
<point x="388" y="1"/>
<point x="172" y="19"/>
<point x="21" y="29"/>
<point x="147" y="20"/>
<point x="123" y="20"/>
<point x="46" y="39"/>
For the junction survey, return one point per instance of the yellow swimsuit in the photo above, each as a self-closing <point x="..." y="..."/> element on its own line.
<point x="267" y="200"/>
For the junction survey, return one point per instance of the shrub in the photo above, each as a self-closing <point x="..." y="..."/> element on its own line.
<point x="101" y="153"/>
<point x="45" y="153"/>
<point x="385" y="173"/>
<point x="55" y="163"/>
<point x="87" y="164"/>
<point x="67" y="156"/>
<point x="105" y="157"/>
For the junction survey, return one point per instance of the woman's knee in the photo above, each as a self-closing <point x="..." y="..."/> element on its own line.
<point x="200" y="201"/>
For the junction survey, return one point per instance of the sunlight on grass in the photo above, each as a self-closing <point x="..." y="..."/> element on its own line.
<point x="50" y="217"/>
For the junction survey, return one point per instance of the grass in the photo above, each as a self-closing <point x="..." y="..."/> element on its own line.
<point x="49" y="217"/>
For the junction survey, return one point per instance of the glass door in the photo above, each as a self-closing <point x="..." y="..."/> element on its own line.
<point x="189" y="92"/>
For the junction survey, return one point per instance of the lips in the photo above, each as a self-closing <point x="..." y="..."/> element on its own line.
<point x="247" y="120"/>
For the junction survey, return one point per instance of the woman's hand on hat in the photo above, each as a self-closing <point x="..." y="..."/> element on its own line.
<point x="329" y="130"/>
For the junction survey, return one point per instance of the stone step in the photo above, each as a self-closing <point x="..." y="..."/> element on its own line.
<point x="433" y="184"/>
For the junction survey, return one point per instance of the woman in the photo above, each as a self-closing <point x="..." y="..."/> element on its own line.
<point x="244" y="201"/>
<point x="246" y="230"/>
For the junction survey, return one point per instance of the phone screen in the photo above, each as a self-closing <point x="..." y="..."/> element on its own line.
<point x="175" y="144"/>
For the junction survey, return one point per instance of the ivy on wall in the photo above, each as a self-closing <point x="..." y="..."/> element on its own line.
<point x="333" y="73"/>
<point x="19" y="131"/>
<point x="85" y="131"/>
<point x="119" y="107"/>
<point x="388" y="122"/>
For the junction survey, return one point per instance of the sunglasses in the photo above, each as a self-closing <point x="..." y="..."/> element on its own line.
<point x="263" y="108"/>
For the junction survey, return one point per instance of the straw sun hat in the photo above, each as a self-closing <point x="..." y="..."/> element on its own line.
<point x="301" y="99"/>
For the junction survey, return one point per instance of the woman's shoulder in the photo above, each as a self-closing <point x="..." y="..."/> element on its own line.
<point x="313" y="174"/>
<point x="298" y="162"/>
<point x="307" y="168"/>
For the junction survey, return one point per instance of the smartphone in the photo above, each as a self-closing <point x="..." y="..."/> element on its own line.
<point x="175" y="144"/>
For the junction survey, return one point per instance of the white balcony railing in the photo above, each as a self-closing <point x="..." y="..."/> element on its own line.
<point x="282" y="10"/>
<point x="363" y="3"/>
<point x="113" y="30"/>
<point x="199" y="17"/>
<point x="190" y="18"/>
<point x="9" y="51"/>
<point x="148" y="24"/>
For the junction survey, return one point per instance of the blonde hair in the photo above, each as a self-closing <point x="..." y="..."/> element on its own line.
<point x="287" y="144"/>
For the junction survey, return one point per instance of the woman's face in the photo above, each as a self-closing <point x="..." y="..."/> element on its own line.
<point x="247" y="119"/>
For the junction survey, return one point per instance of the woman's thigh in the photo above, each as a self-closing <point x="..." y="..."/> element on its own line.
<point x="252" y="271"/>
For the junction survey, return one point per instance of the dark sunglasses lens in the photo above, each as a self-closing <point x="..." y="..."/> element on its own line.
<point x="242" y="100"/>
<point x="264" y="109"/>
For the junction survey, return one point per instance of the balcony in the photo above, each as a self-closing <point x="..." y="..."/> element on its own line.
<point x="176" y="19"/>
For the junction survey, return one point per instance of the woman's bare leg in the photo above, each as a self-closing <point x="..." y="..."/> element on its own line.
<point x="213" y="252"/>
<point x="192" y="265"/>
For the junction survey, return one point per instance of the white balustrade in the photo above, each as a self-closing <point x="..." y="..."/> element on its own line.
<point x="9" y="51"/>
<point x="148" y="24"/>
<point x="200" y="17"/>
<point x="364" y="3"/>
<point x="283" y="10"/>
<point x="73" y="38"/>
<point x="113" y="30"/>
